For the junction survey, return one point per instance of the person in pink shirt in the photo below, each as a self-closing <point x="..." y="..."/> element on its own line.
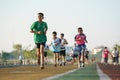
<point x="80" y="40"/>
<point x="105" y="55"/>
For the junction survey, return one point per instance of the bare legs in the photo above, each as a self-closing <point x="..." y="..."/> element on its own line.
<point x="56" y="59"/>
<point x="81" y="64"/>
<point x="63" y="57"/>
<point x="40" y="54"/>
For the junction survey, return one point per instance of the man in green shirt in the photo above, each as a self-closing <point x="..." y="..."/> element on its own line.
<point x="39" y="28"/>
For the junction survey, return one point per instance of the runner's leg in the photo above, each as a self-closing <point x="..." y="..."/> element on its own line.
<point x="83" y="57"/>
<point x="60" y="58"/>
<point x="83" y="53"/>
<point x="64" y="60"/>
<point x="57" y="58"/>
<point x="38" y="55"/>
<point x="42" y="56"/>
<point x="79" y="60"/>
<point x="55" y="63"/>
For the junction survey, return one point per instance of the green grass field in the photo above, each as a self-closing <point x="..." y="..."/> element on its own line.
<point x="86" y="73"/>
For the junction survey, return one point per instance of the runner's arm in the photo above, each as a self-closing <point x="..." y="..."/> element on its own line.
<point x="86" y="39"/>
<point x="32" y="28"/>
<point x="50" y="44"/>
<point x="66" y="42"/>
<point x="36" y="32"/>
<point x="58" y="42"/>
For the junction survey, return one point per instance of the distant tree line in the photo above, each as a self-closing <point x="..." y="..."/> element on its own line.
<point x="19" y="50"/>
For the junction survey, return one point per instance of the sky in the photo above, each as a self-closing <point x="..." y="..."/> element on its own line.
<point x="100" y="20"/>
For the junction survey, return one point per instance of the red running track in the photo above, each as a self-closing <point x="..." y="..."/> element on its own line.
<point x="113" y="71"/>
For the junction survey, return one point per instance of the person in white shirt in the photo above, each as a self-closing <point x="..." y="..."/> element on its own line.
<point x="55" y="47"/>
<point x="115" y="55"/>
<point x="63" y="49"/>
<point x="20" y="59"/>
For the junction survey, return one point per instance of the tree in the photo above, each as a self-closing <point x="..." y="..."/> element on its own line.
<point x="17" y="49"/>
<point x="33" y="53"/>
<point x="5" y="56"/>
<point x="17" y="46"/>
<point x="26" y="54"/>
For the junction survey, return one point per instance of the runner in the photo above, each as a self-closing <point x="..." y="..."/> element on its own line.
<point x="75" y="53"/>
<point x="87" y="54"/>
<point x="46" y="48"/>
<point x="105" y="55"/>
<point x="63" y="50"/>
<point x="80" y="39"/>
<point x="55" y="47"/>
<point x="39" y="28"/>
<point x="115" y="54"/>
<point x="20" y="59"/>
<point x="21" y="56"/>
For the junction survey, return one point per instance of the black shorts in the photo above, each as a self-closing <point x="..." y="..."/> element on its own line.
<point x="45" y="54"/>
<point x="38" y="44"/>
<point x="115" y="59"/>
<point x="106" y="60"/>
<point x="75" y="55"/>
<point x="55" y="52"/>
<point x="62" y="53"/>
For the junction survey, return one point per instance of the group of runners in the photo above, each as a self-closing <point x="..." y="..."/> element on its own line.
<point x="57" y="45"/>
<point x="114" y="55"/>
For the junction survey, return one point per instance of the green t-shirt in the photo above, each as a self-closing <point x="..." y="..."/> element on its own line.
<point x="37" y="26"/>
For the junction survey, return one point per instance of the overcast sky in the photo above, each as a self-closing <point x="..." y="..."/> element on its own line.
<point x="100" y="20"/>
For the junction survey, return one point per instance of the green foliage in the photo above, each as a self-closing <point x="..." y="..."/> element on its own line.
<point x="33" y="53"/>
<point x="5" y="56"/>
<point x="14" y="53"/>
<point x="17" y="46"/>
<point x="50" y="53"/>
<point x="30" y="54"/>
<point x="27" y="54"/>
